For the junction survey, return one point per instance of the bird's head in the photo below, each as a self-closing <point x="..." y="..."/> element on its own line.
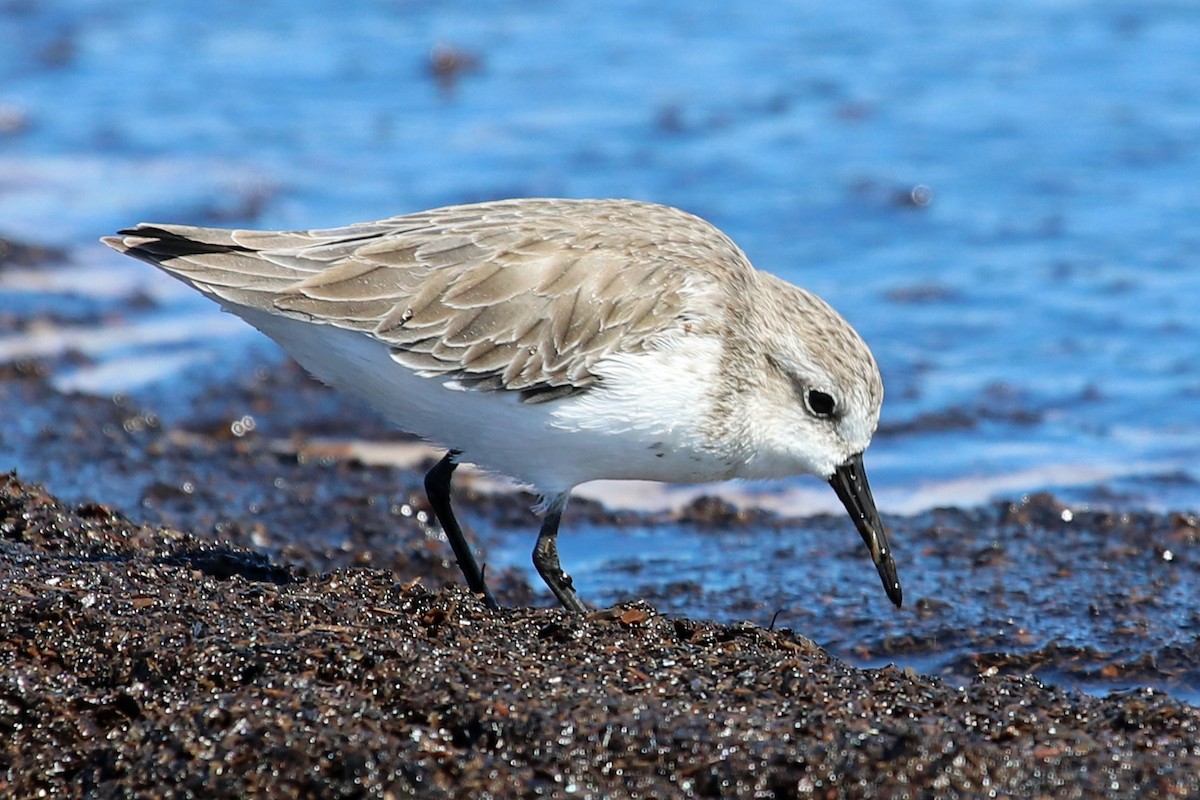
<point x="819" y="406"/>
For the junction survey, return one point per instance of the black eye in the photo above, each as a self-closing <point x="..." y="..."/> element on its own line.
<point x="821" y="404"/>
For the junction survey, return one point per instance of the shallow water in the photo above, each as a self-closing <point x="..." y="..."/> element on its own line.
<point x="1002" y="199"/>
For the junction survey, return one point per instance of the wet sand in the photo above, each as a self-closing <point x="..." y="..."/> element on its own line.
<point x="157" y="663"/>
<point x="291" y="626"/>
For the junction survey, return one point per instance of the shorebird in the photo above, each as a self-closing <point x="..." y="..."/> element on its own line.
<point x="557" y="342"/>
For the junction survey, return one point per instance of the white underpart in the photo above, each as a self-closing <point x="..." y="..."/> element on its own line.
<point x="648" y="418"/>
<point x="643" y="420"/>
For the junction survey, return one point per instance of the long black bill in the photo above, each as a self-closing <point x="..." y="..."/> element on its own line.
<point x="850" y="482"/>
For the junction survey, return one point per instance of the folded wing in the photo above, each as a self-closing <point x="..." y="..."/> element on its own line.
<point x="491" y="296"/>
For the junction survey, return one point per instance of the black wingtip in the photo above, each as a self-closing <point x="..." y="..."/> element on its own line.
<point x="157" y="243"/>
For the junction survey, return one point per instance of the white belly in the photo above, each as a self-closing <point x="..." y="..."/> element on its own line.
<point x="644" y="420"/>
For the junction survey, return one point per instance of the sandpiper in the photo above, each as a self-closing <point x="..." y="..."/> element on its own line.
<point x="558" y="342"/>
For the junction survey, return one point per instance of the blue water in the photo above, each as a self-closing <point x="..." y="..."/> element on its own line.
<point x="1034" y="315"/>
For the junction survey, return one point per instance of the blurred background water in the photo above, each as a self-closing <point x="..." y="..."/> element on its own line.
<point x="1004" y="199"/>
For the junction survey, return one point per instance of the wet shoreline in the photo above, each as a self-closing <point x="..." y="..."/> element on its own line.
<point x="212" y="612"/>
<point x="155" y="661"/>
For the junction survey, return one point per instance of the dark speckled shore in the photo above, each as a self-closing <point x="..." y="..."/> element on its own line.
<point x="205" y="604"/>
<point x="143" y="662"/>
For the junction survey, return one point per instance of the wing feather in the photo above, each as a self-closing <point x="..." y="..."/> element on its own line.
<point x="522" y="296"/>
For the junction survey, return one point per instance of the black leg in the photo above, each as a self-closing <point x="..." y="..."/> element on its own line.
<point x="437" y="489"/>
<point x="545" y="558"/>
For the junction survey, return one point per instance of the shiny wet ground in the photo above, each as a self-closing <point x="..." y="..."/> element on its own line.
<point x="1096" y="600"/>
<point x="141" y="661"/>
<point x="1102" y="601"/>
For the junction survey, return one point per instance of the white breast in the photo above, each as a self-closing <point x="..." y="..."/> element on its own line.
<point x="644" y="420"/>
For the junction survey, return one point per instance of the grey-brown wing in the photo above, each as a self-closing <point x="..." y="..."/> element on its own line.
<point x="488" y="298"/>
<point x="523" y="315"/>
